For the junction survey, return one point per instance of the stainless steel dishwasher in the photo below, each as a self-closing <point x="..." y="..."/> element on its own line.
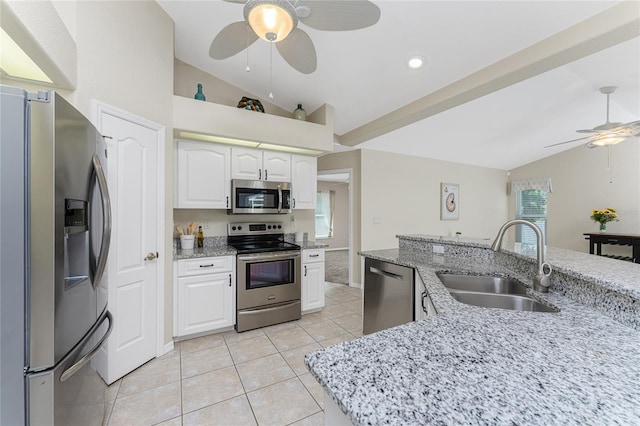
<point x="388" y="295"/>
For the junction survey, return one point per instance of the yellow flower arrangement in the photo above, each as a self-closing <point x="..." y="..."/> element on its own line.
<point x="604" y="216"/>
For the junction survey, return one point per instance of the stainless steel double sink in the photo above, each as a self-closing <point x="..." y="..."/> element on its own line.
<point x="491" y="292"/>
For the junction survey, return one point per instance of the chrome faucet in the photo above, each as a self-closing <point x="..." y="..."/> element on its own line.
<point x="541" y="281"/>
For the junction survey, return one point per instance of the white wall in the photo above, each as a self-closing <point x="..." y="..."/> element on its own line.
<point x="582" y="182"/>
<point x="403" y="192"/>
<point x="218" y="220"/>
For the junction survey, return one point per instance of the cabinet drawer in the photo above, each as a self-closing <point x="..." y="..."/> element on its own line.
<point x="206" y="265"/>
<point x="310" y="256"/>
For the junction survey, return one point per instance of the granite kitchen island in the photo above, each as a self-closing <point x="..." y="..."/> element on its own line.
<point x="473" y="365"/>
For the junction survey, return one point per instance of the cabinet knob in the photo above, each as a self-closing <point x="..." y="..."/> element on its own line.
<point x="266" y="175"/>
<point x="229" y="280"/>
<point x="259" y="174"/>
<point x="294" y="203"/>
<point x="227" y="202"/>
<point x="305" y="270"/>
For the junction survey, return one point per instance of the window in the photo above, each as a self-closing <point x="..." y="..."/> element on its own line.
<point x="531" y="205"/>
<point x="324" y="214"/>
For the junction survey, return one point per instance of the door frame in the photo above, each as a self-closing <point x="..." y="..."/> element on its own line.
<point x="97" y="109"/>
<point x="349" y="171"/>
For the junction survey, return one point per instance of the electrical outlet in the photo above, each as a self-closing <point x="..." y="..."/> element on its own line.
<point x="205" y="224"/>
<point x="377" y="221"/>
<point x="438" y="249"/>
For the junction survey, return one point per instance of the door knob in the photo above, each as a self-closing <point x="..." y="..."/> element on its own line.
<point x="151" y="256"/>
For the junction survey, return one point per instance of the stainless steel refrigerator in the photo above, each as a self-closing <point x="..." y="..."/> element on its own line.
<point x="55" y="227"/>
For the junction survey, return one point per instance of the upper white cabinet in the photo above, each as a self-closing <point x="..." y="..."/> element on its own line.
<point x="203" y="175"/>
<point x="255" y="164"/>
<point x="304" y="184"/>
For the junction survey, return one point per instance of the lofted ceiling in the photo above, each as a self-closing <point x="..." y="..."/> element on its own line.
<point x="458" y="107"/>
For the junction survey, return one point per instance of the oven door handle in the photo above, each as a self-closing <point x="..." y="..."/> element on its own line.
<point x="282" y="255"/>
<point x="271" y="309"/>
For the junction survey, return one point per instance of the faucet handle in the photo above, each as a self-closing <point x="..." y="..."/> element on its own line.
<point x="546" y="269"/>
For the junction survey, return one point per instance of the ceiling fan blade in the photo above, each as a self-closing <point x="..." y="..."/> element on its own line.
<point x="572" y="140"/>
<point x="232" y="39"/>
<point x="236" y="1"/>
<point x="338" y="15"/>
<point x="586" y="131"/>
<point x="297" y="49"/>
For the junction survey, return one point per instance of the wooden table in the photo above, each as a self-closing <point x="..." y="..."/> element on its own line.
<point x="597" y="239"/>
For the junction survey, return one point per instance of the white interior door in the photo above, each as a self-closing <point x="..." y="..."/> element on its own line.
<point x="133" y="266"/>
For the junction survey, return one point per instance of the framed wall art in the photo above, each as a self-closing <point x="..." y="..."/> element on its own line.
<point x="449" y="201"/>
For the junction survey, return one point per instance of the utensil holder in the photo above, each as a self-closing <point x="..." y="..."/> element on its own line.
<point x="186" y="242"/>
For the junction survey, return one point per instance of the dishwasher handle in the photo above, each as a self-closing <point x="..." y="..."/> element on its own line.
<point x="378" y="271"/>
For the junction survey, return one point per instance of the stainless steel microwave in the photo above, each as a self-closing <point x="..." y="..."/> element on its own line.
<point x="260" y="197"/>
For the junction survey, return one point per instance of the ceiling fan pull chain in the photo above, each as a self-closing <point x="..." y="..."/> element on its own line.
<point x="247" y="69"/>
<point x="609" y="168"/>
<point x="271" y="71"/>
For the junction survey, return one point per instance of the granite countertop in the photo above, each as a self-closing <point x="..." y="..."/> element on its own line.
<point x="472" y="365"/>
<point x="307" y="245"/>
<point x="211" y="251"/>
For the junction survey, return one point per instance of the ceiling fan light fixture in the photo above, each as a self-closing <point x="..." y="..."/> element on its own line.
<point x="271" y="20"/>
<point x="606" y="140"/>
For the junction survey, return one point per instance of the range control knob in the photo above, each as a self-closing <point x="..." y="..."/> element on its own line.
<point x="239" y="228"/>
<point x="268" y="226"/>
<point x="279" y="226"/>
<point x="233" y="228"/>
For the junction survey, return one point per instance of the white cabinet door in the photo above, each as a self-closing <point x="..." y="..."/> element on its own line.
<point x="312" y="280"/>
<point x="277" y="166"/>
<point x="246" y="163"/>
<point x="304" y="184"/>
<point x="205" y="303"/>
<point x="204" y="175"/>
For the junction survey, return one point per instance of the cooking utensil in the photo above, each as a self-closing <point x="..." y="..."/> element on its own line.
<point x="190" y="228"/>
<point x="180" y="229"/>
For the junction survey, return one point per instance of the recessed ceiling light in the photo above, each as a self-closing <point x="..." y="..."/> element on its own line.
<point x="415" y="62"/>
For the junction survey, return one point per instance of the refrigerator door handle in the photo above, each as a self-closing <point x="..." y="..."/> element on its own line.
<point x="101" y="264"/>
<point x="66" y="374"/>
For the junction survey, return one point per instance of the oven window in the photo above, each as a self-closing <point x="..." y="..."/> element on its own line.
<point x="271" y="273"/>
<point x="257" y="199"/>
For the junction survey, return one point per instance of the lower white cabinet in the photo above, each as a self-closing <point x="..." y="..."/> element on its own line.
<point x="312" y="280"/>
<point x="204" y="292"/>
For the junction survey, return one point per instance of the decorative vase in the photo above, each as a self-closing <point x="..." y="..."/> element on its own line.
<point x="299" y="113"/>
<point x="603" y="227"/>
<point x="199" y="95"/>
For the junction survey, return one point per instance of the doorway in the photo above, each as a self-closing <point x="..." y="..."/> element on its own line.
<point x="334" y="223"/>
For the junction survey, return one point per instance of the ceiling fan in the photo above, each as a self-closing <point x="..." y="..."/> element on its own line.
<point x="277" y="21"/>
<point x="608" y="133"/>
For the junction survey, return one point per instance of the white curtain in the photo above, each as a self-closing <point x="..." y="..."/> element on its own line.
<point x="540" y="183"/>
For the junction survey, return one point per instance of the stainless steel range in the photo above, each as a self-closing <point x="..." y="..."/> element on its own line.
<point x="268" y="275"/>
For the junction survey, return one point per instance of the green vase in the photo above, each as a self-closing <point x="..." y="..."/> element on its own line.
<point x="603" y="227"/>
<point x="199" y="95"/>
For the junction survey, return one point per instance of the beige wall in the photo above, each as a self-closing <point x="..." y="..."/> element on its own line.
<point x="349" y="160"/>
<point x="340" y="238"/>
<point x="187" y="77"/>
<point x="403" y="193"/>
<point x="581" y="183"/>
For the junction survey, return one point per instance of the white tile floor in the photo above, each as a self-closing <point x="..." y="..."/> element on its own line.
<point x="253" y="378"/>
